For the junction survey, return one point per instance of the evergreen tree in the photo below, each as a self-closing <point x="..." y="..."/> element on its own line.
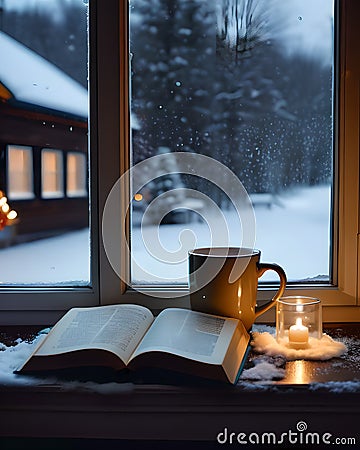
<point x="172" y="45"/>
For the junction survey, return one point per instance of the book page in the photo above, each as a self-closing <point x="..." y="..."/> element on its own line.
<point x="117" y="328"/>
<point x="194" y="335"/>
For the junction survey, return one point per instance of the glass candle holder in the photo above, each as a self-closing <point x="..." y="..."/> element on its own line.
<point x="298" y="321"/>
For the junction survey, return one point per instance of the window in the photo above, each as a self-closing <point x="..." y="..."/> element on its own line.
<point x="52" y="174"/>
<point x="109" y="108"/>
<point x="44" y="113"/>
<point x="249" y="84"/>
<point x="76" y="175"/>
<point x="340" y="288"/>
<point x="20" y="172"/>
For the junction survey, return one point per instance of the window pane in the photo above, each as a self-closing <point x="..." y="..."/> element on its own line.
<point x="52" y="174"/>
<point x="249" y="84"/>
<point x="43" y="122"/>
<point x="20" y="172"/>
<point x="76" y="175"/>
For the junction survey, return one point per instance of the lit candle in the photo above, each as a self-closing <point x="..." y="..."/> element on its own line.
<point x="298" y="334"/>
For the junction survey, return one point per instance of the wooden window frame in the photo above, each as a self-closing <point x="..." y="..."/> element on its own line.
<point x="110" y="157"/>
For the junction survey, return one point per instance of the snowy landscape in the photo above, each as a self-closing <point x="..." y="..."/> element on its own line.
<point x="193" y="90"/>
<point x="294" y="233"/>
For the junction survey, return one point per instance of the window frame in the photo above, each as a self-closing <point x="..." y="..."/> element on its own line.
<point x="344" y="290"/>
<point x="110" y="157"/>
<point x="31" y="305"/>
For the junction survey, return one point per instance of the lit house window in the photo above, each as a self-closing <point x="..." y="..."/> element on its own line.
<point x="20" y="172"/>
<point x="52" y="185"/>
<point x="76" y="175"/>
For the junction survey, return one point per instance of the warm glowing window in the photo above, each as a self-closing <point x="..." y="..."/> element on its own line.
<point x="20" y="172"/>
<point x="52" y="185"/>
<point x="76" y="175"/>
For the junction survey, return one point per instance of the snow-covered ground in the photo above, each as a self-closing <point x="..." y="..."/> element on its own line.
<point x="63" y="259"/>
<point x="294" y="233"/>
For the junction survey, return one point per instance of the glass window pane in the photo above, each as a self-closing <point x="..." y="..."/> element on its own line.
<point x="76" y="175"/>
<point x="249" y="84"/>
<point x="52" y="174"/>
<point x="43" y="118"/>
<point x="20" y="172"/>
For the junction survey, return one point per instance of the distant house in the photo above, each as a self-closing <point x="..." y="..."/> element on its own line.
<point x="43" y="142"/>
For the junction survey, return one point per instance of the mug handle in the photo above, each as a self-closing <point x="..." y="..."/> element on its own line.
<point x="262" y="268"/>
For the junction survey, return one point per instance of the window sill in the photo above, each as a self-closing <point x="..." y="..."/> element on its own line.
<point x="190" y="411"/>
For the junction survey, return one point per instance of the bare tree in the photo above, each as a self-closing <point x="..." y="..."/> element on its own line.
<point x="241" y="25"/>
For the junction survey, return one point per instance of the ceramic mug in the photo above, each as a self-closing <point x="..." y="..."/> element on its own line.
<point x="223" y="281"/>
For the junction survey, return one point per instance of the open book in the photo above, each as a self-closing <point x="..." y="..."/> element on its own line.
<point x="120" y="336"/>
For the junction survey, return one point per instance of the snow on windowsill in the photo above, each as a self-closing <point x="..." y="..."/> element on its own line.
<point x="12" y="357"/>
<point x="317" y="349"/>
<point x="268" y="366"/>
<point x="270" y="359"/>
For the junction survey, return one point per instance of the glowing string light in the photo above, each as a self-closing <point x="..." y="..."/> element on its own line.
<point x="7" y="215"/>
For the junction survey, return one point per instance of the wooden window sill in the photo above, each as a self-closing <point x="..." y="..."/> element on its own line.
<point x="188" y="411"/>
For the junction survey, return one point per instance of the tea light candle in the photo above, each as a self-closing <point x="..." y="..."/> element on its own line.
<point x="298" y="334"/>
<point x="298" y="321"/>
